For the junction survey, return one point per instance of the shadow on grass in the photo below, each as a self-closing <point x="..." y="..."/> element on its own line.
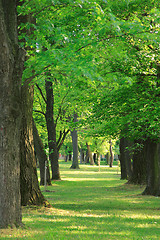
<point x="49" y="225"/>
<point x="88" y="206"/>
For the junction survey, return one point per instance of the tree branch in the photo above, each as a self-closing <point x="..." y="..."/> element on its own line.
<point x="59" y="144"/>
<point x="37" y="111"/>
<point x="29" y="80"/>
<point x="40" y="90"/>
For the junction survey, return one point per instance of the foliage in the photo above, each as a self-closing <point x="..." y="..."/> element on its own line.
<point x="104" y="56"/>
<point x="129" y="97"/>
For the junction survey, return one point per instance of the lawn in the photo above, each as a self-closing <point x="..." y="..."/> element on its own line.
<point x="88" y="204"/>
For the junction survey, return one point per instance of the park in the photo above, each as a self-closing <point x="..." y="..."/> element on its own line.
<point x="79" y="119"/>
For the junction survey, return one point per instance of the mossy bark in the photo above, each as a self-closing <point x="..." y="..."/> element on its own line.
<point x="11" y="68"/>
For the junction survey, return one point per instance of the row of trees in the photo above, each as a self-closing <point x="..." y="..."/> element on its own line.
<point x="98" y="61"/>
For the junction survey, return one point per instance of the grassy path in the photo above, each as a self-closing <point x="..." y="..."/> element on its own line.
<point x="89" y="204"/>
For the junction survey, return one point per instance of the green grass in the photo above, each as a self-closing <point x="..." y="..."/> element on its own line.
<point x="88" y="204"/>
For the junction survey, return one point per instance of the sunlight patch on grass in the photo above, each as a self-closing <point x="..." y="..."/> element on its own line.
<point x="20" y="233"/>
<point x="86" y="179"/>
<point x="147" y="225"/>
<point x="90" y="205"/>
<point x="141" y="216"/>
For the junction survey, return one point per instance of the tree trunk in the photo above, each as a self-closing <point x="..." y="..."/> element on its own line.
<point x="74" y="135"/>
<point x="111" y="153"/>
<point x="125" y="158"/>
<point x="41" y="156"/>
<point x="30" y="191"/>
<point x="90" y="154"/>
<point x="11" y="68"/>
<point x="95" y="158"/>
<point x="139" y="166"/>
<point x="66" y="157"/>
<point x="86" y="159"/>
<point x="152" y="155"/>
<point x="107" y="158"/>
<point x="122" y="159"/>
<point x="81" y="156"/>
<point x="70" y="156"/>
<point x="98" y="160"/>
<point x="51" y="129"/>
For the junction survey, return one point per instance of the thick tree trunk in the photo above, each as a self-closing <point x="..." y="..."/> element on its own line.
<point x="125" y="158"/>
<point x="30" y="191"/>
<point x="41" y="156"/>
<point x="74" y="136"/>
<point x="139" y="166"/>
<point x="11" y="68"/>
<point x="152" y="155"/>
<point x="90" y="154"/>
<point x="51" y="129"/>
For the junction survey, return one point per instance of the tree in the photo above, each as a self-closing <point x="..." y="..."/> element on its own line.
<point x="53" y="114"/>
<point x="125" y="158"/>
<point x="11" y="69"/>
<point x="30" y="191"/>
<point x="74" y="135"/>
<point x="51" y="129"/>
<point x="111" y="153"/>
<point x="152" y="155"/>
<point x="133" y="89"/>
<point x="139" y="163"/>
<point x="41" y="156"/>
<point x="29" y="185"/>
<point x="111" y="48"/>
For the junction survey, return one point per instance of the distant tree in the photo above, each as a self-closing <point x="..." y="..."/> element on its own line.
<point x="75" y="164"/>
<point x="41" y="156"/>
<point x="125" y="158"/>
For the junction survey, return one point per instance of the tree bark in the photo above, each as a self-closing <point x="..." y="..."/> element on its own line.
<point x="51" y="129"/>
<point x="125" y="158"/>
<point x="139" y="166"/>
<point x="74" y="136"/>
<point x="30" y="191"/>
<point x="41" y="156"/>
<point x="152" y="155"/>
<point x="11" y="68"/>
